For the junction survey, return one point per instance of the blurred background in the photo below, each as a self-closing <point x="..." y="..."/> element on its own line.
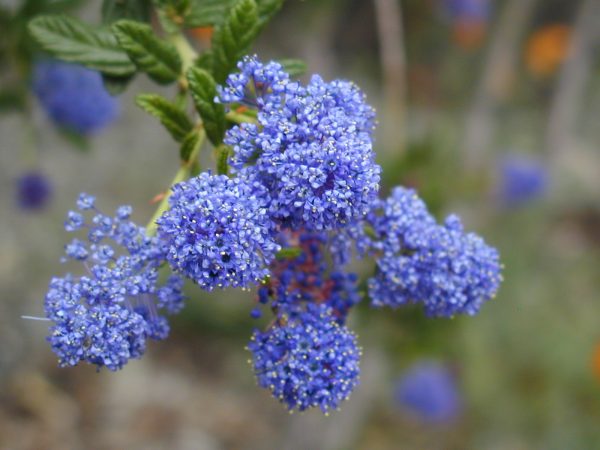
<point x="488" y="107"/>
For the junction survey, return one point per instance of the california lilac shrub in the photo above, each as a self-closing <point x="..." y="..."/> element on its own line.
<point x="292" y="197"/>
<point x="73" y="97"/>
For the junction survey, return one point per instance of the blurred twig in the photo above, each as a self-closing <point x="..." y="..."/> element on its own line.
<point x="495" y="81"/>
<point x="393" y="61"/>
<point x="573" y="78"/>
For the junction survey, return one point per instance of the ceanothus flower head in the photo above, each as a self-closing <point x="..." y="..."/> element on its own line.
<point x="428" y="391"/>
<point x="34" y="190"/>
<point x="307" y="361"/>
<point x="440" y="266"/>
<point x="311" y="148"/>
<point x="521" y="180"/>
<point x="74" y="97"/>
<point x="217" y="231"/>
<point x="105" y="316"/>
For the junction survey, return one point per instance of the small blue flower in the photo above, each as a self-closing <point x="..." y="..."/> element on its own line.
<point x="468" y="10"/>
<point x="105" y="316"/>
<point x="73" y="97"/>
<point x="440" y="266"/>
<point x="521" y="180"/>
<point x="85" y="201"/>
<point x="307" y="361"/>
<point x="429" y="392"/>
<point x="311" y="149"/>
<point x="34" y="190"/>
<point x="218" y="232"/>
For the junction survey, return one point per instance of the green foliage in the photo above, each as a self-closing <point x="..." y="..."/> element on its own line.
<point x="222" y="159"/>
<point x="158" y="58"/>
<point x="71" y="40"/>
<point x="204" y="90"/>
<point x="188" y="144"/>
<point x="204" y="13"/>
<point x="174" y="119"/>
<point x="294" y="67"/>
<point x="113" y="10"/>
<point x="232" y="39"/>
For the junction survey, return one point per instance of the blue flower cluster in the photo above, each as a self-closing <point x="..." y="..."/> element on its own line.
<point x="106" y="316"/>
<point x="34" y="190"/>
<point x="308" y="360"/>
<point x="218" y="232"/>
<point x="447" y="270"/>
<point x="311" y="147"/>
<point x="73" y="97"/>
<point x="428" y="391"/>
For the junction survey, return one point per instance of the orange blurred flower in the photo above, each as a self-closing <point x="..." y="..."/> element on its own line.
<point x="546" y="49"/>
<point x="596" y="361"/>
<point x="202" y="34"/>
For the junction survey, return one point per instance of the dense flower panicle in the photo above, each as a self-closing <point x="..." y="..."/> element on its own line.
<point x="105" y="316"/>
<point x="308" y="361"/>
<point x="74" y="97"/>
<point x="429" y="391"/>
<point x="306" y="279"/>
<point x="311" y="147"/>
<point x="447" y="270"/>
<point x="521" y="180"/>
<point x="34" y="190"/>
<point x="217" y="231"/>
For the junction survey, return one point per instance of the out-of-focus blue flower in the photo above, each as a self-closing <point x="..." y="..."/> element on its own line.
<point x="468" y="10"/>
<point x="74" y="97"/>
<point x="428" y="391"/>
<point x="311" y="147"/>
<point x="105" y="316"/>
<point x="217" y="231"/>
<point x="308" y="360"/>
<point x="521" y="179"/>
<point x="34" y="190"/>
<point x="440" y="266"/>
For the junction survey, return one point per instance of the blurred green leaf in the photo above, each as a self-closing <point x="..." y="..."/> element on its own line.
<point x="204" y="90"/>
<point x="204" y="13"/>
<point x="113" y="10"/>
<point x="174" y="119"/>
<point x="294" y="67"/>
<point x="71" y="40"/>
<point x="116" y="85"/>
<point x="188" y="144"/>
<point x="158" y="58"/>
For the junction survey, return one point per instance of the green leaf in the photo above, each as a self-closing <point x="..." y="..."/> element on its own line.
<point x="205" y="13"/>
<point x="288" y="253"/>
<point x="232" y="39"/>
<point x="116" y="85"/>
<point x="294" y="67"/>
<point x="188" y="144"/>
<point x="71" y="40"/>
<point x="158" y="58"/>
<point x="204" y="90"/>
<point x="113" y="10"/>
<point x="174" y="119"/>
<point x="205" y="61"/>
<point x="222" y="160"/>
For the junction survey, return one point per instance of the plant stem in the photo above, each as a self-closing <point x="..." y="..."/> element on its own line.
<point x="182" y="174"/>
<point x="240" y="118"/>
<point x="187" y="54"/>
